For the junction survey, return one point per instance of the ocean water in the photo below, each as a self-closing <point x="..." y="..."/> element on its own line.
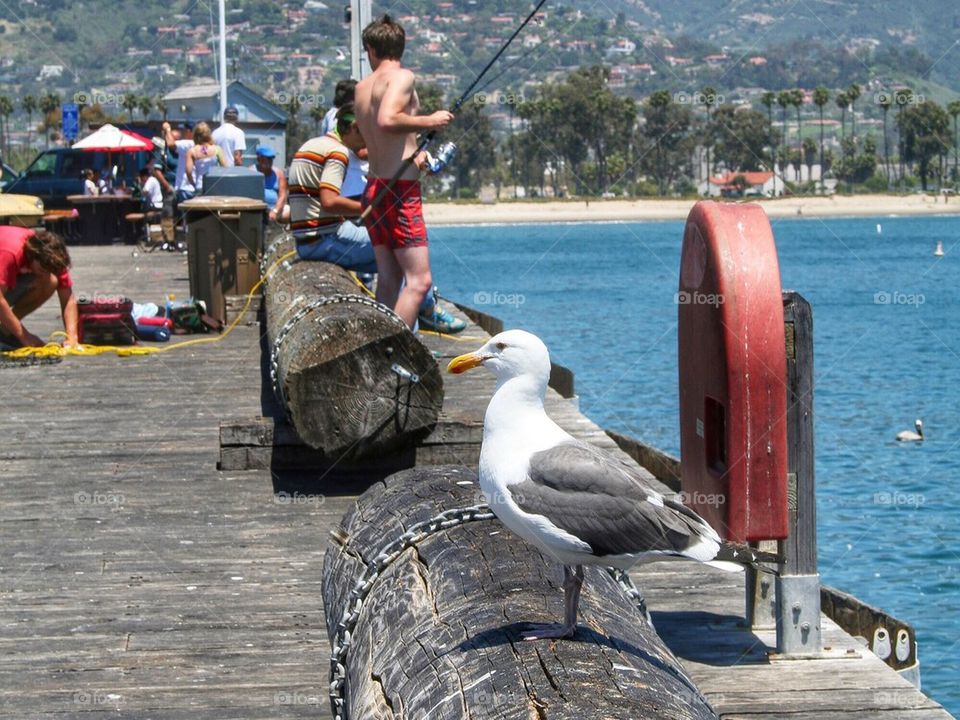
<point x="887" y="350"/>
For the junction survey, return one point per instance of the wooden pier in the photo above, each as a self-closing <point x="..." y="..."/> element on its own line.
<point x="138" y="580"/>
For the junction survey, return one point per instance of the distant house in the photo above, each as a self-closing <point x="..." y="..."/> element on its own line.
<point x="743" y="184"/>
<point x="622" y="46"/>
<point x="49" y="72"/>
<point x="264" y="122"/>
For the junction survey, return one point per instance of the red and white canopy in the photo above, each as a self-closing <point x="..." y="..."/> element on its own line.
<point x="111" y="138"/>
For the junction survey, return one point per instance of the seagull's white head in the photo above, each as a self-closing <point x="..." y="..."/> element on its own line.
<point x="510" y="354"/>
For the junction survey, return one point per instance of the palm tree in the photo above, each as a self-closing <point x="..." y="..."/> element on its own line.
<point x="843" y="102"/>
<point x="6" y="107"/>
<point x="821" y="96"/>
<point x="767" y="100"/>
<point x="709" y="100"/>
<point x="953" y="107"/>
<point x="29" y="105"/>
<point x="853" y="93"/>
<point x="796" y="99"/>
<point x="145" y="105"/>
<point x="885" y="100"/>
<point x="130" y="103"/>
<point x="783" y="100"/>
<point x="316" y="114"/>
<point x="902" y="97"/>
<point x="160" y="104"/>
<point x="49" y="104"/>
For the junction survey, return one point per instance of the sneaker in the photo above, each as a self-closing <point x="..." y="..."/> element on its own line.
<point x="440" y="321"/>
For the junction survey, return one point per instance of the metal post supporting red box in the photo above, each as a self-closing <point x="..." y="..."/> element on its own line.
<point x="732" y="360"/>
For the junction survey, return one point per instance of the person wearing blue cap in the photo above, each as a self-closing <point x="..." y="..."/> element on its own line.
<point x="274" y="184"/>
<point x="231" y="138"/>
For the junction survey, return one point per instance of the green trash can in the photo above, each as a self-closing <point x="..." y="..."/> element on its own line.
<point x="224" y="248"/>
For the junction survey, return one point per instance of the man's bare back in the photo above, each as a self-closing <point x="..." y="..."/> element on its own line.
<point x="387" y="91"/>
<point x="387" y="105"/>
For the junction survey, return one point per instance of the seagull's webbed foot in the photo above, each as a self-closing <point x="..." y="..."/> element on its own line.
<point x="572" y="581"/>
<point x="548" y="631"/>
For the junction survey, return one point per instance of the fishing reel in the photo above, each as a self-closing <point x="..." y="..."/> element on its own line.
<point x="445" y="155"/>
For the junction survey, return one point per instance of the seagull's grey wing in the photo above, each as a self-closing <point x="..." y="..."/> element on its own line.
<point x="605" y="503"/>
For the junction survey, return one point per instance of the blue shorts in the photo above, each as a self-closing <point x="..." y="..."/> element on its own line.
<point x="349" y="247"/>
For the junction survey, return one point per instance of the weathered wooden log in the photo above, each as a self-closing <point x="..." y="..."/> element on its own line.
<point x="437" y="633"/>
<point x="353" y="378"/>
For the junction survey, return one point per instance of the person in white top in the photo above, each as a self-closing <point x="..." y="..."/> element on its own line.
<point x="89" y="183"/>
<point x="151" y="190"/>
<point x="204" y="154"/>
<point x="230" y="138"/>
<point x="180" y="146"/>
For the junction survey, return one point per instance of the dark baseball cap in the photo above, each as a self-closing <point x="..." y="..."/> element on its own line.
<point x="186" y="125"/>
<point x="231" y="112"/>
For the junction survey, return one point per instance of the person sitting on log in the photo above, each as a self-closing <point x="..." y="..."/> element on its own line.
<point x="33" y="264"/>
<point x="318" y="210"/>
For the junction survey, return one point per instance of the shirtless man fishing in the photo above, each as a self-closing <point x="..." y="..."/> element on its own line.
<point x="386" y="109"/>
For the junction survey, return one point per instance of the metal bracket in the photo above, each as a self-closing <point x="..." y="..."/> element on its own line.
<point x="798" y="615"/>
<point x="404" y="373"/>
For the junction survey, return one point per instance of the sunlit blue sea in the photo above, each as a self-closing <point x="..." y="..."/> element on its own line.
<point x="887" y="351"/>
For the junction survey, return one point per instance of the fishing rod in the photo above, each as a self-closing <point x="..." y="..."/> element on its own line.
<point x="448" y="150"/>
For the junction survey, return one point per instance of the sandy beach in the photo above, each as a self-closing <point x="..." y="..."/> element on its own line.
<point x="512" y="211"/>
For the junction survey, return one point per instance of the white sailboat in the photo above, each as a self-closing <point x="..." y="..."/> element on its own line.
<point x="939" y="251"/>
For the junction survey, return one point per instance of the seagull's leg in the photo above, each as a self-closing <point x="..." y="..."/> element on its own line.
<point x="572" y="582"/>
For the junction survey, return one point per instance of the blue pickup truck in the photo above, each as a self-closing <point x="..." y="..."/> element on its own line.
<point x="58" y="173"/>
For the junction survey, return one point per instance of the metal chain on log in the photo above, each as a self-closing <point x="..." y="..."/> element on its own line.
<point x="420" y="531"/>
<point x="275" y="380"/>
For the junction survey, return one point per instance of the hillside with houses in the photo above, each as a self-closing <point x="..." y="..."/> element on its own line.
<point x="762" y="61"/>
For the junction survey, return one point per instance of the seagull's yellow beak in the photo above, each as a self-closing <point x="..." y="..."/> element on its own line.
<point x="462" y="363"/>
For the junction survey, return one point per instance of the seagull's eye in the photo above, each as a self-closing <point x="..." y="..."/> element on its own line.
<point x="501" y="346"/>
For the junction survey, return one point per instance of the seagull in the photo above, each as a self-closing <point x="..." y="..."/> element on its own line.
<point x="574" y="502"/>
<point x="910" y="436"/>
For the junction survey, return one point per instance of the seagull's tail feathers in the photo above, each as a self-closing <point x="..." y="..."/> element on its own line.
<point x="731" y="553"/>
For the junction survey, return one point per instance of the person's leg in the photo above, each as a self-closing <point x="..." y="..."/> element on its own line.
<point x="389" y="277"/>
<point x="415" y="264"/>
<point x="40" y="290"/>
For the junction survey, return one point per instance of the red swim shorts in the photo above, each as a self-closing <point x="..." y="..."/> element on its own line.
<point x="397" y="220"/>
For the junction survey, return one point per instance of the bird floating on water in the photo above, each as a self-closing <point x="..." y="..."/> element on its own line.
<point x="910" y="436"/>
<point x="574" y="502"/>
<point x="939" y="251"/>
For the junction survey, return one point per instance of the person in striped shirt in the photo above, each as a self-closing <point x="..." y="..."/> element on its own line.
<point x="318" y="212"/>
